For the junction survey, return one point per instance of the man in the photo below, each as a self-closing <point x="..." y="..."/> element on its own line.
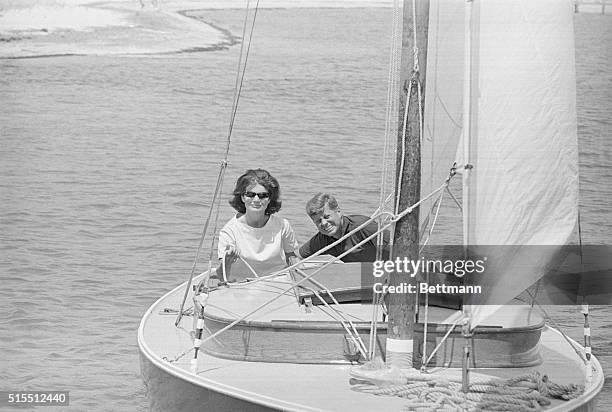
<point x="333" y="224"/>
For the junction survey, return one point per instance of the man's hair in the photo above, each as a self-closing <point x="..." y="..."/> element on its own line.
<point x="318" y="202"/>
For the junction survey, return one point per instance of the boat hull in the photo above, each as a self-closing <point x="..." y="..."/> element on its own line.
<point x="167" y="392"/>
<point x="226" y="384"/>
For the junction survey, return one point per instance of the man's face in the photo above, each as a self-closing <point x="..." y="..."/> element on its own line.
<point x="328" y="222"/>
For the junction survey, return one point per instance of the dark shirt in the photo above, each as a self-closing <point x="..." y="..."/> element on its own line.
<point x="364" y="253"/>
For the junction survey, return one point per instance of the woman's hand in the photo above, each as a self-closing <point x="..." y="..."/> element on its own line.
<point x="291" y="259"/>
<point x="231" y="254"/>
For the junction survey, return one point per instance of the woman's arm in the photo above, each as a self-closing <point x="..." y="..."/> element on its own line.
<point x="290" y="243"/>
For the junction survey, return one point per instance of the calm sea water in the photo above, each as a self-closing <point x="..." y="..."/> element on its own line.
<point x="107" y="167"/>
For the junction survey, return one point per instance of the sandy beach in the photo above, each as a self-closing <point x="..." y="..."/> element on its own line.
<point x="85" y="27"/>
<point x="103" y="28"/>
<point x="36" y="28"/>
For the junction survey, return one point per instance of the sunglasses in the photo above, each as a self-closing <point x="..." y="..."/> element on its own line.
<point x="262" y="195"/>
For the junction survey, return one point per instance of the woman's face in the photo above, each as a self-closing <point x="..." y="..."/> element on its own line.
<point x="256" y="199"/>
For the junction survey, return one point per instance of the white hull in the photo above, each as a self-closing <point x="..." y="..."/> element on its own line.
<point x="224" y="384"/>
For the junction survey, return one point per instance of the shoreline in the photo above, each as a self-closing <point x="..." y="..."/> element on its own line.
<point x="107" y="28"/>
<point x="124" y="28"/>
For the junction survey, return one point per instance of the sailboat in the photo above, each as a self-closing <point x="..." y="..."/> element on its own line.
<point x="495" y="111"/>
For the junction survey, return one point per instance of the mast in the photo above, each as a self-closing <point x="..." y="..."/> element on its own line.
<point x="408" y="174"/>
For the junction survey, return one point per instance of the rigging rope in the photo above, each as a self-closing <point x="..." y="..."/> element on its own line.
<point x="237" y="92"/>
<point x="393" y="218"/>
<point x="329" y="293"/>
<point x="316" y="271"/>
<point x="390" y="133"/>
<point x="352" y="331"/>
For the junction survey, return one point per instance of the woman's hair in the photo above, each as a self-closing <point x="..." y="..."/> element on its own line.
<point x="253" y="177"/>
<point x="316" y="205"/>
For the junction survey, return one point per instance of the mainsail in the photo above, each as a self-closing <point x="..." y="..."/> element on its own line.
<point x="523" y="187"/>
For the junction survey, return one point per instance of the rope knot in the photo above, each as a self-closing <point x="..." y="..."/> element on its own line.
<point x="451" y="173"/>
<point x="542" y="382"/>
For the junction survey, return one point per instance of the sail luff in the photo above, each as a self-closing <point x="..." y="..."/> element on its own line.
<point x="467" y="134"/>
<point x="467" y="113"/>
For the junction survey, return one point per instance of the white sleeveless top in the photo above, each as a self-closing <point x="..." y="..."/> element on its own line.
<point x="264" y="248"/>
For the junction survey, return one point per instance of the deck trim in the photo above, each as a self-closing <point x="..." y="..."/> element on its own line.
<point x="589" y="393"/>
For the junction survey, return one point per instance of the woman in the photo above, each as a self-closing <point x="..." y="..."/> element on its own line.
<point x="263" y="240"/>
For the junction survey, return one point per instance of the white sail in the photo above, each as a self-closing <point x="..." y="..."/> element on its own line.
<point x="443" y="107"/>
<point x="523" y="188"/>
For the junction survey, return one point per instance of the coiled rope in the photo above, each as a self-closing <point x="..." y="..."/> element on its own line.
<point x="434" y="393"/>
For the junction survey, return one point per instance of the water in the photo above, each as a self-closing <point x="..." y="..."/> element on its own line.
<point x="107" y="166"/>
